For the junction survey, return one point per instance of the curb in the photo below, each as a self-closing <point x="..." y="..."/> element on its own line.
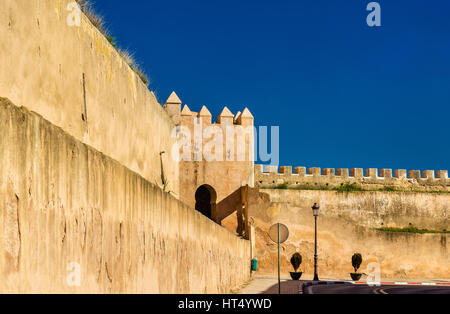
<point x="400" y="283"/>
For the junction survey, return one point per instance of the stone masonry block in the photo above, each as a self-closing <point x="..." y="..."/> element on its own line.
<point x="271" y="169"/>
<point x="372" y="173"/>
<point x="386" y="173"/>
<point x="356" y="172"/>
<point x="330" y="172"/>
<point x="301" y="171"/>
<point x="287" y="170"/>
<point x="414" y="174"/>
<point x="428" y="174"/>
<point x="342" y="173"/>
<point x="400" y="173"/>
<point x="259" y="169"/>
<point x="442" y="174"/>
<point x="315" y="171"/>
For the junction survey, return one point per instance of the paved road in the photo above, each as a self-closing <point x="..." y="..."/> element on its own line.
<point x="364" y="289"/>
<point x="269" y="285"/>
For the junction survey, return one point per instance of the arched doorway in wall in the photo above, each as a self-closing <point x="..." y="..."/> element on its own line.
<point x="205" y="200"/>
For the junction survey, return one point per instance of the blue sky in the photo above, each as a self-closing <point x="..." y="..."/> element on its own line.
<point x="344" y="95"/>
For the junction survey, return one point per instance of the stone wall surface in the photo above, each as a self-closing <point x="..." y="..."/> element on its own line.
<point x="347" y="225"/>
<point x="63" y="202"/>
<point x="370" y="180"/>
<point x="73" y="77"/>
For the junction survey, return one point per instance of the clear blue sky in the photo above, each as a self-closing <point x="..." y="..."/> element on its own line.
<point x="344" y="95"/>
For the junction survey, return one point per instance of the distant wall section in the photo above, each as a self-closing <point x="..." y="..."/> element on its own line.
<point x="347" y="224"/>
<point x="371" y="179"/>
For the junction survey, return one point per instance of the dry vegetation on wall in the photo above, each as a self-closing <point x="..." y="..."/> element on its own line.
<point x="411" y="229"/>
<point x="353" y="187"/>
<point x="99" y="23"/>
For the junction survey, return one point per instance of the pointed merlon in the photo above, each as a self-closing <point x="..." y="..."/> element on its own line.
<point x="173" y="99"/>
<point x="186" y="111"/>
<point x="173" y="108"/>
<point x="246" y="117"/>
<point x="226" y="116"/>
<point x="226" y="113"/>
<point x="204" y="112"/>
<point x="205" y="115"/>
<point x="246" y="114"/>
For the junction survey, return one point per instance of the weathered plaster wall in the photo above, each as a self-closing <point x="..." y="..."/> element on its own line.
<point x="62" y="201"/>
<point x="42" y="64"/>
<point x="346" y="225"/>
<point x="374" y="209"/>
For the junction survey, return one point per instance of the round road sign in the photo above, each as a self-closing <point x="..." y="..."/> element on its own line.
<point x="284" y="233"/>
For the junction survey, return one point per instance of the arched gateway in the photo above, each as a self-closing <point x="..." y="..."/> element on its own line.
<point x="205" y="200"/>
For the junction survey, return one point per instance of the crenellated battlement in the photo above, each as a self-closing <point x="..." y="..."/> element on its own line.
<point x="186" y="116"/>
<point x="218" y="154"/>
<point x="370" y="179"/>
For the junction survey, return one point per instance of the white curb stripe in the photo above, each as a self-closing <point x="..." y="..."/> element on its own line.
<point x="398" y="283"/>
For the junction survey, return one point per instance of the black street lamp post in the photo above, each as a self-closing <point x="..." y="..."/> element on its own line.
<point x="315" y="209"/>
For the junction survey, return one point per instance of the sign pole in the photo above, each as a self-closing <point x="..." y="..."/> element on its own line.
<point x="279" y="280"/>
<point x="279" y="233"/>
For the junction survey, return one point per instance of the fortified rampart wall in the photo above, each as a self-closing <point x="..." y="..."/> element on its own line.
<point x="372" y="179"/>
<point x="349" y="219"/>
<point x="348" y="223"/>
<point x="73" y="77"/>
<point x="63" y="202"/>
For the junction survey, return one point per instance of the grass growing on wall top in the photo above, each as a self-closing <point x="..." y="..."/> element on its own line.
<point x="348" y="188"/>
<point x="410" y="230"/>
<point x="98" y="21"/>
<point x="345" y="188"/>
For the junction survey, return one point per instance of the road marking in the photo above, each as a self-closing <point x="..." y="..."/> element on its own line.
<point x="379" y="291"/>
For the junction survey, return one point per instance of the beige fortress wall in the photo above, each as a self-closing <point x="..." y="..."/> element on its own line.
<point x="42" y="62"/>
<point x="372" y="179"/>
<point x="347" y="225"/>
<point x="61" y="201"/>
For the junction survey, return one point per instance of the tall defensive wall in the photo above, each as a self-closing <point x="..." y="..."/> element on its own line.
<point x="72" y="76"/>
<point x="86" y="171"/>
<point x="73" y="220"/>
